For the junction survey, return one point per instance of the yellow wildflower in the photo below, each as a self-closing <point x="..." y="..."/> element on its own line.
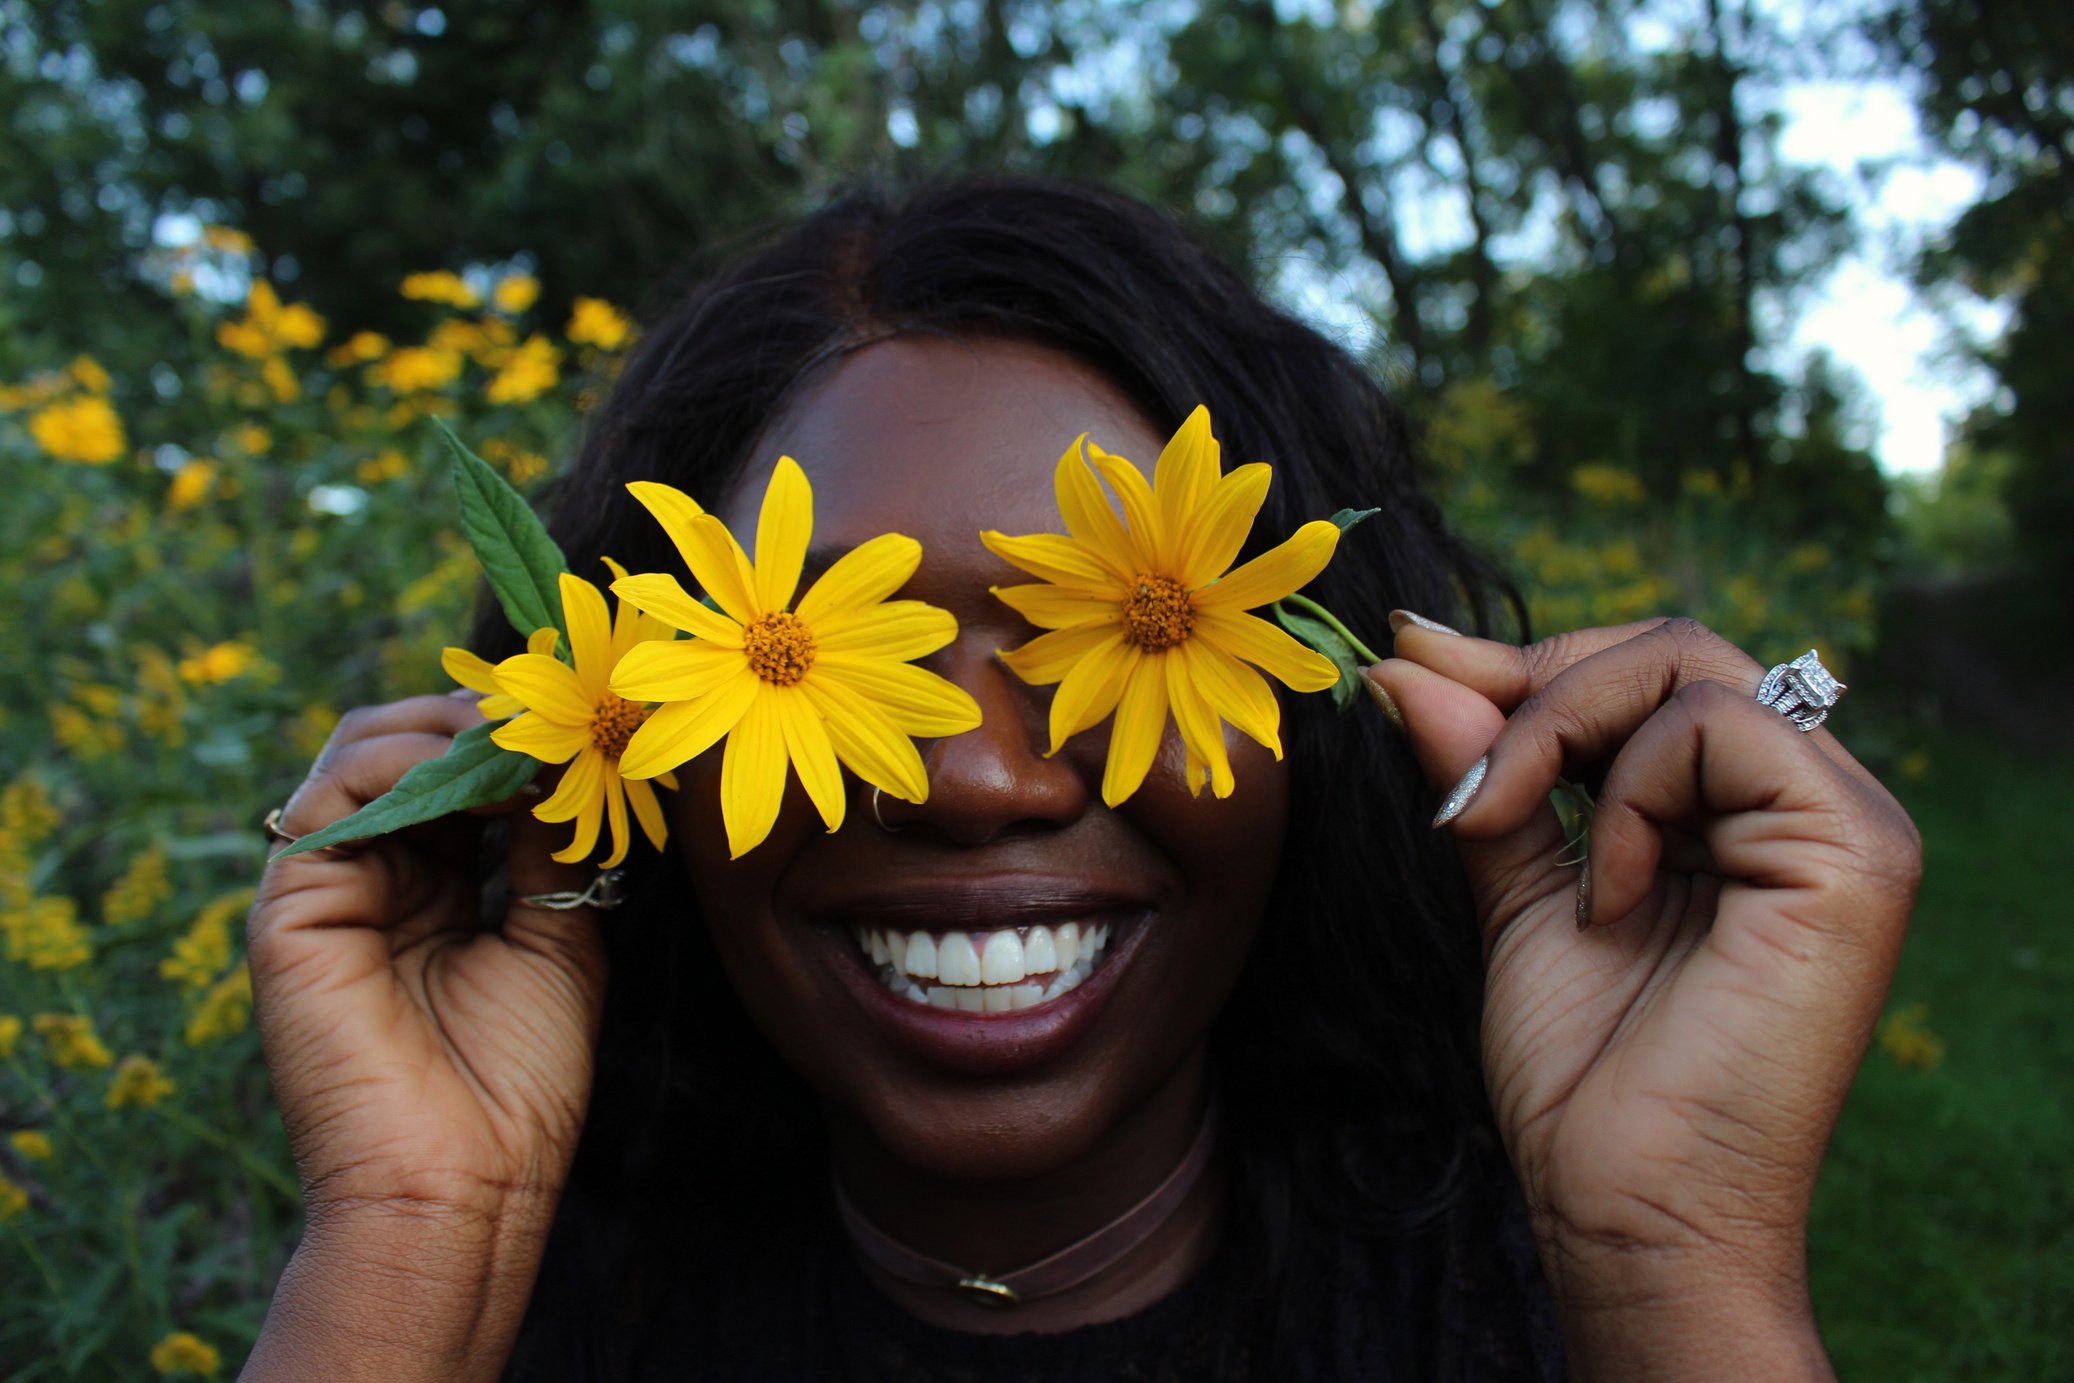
<point x="358" y="349"/>
<point x="516" y="293"/>
<point x="530" y="372"/>
<point x="10" y="1033"/>
<point x="137" y="1083"/>
<point x="387" y="464"/>
<point x="87" y="373"/>
<point x="595" y="322"/>
<point x="253" y="439"/>
<point x="33" y="1144"/>
<point x="1905" y="1036"/>
<point x="46" y="935"/>
<point x="72" y="1041"/>
<point x="1608" y="485"/>
<point x="479" y="674"/>
<point x="83" y="429"/>
<point x="282" y="380"/>
<point x="219" y="662"/>
<point x="161" y="699"/>
<point x="270" y="326"/>
<point x="224" y="1010"/>
<point x="571" y="717"/>
<point x="414" y="369"/>
<point x="27" y="812"/>
<point x="1145" y="618"/>
<point x="138" y="892"/>
<point x="181" y="1352"/>
<point x="520" y="466"/>
<point x="191" y="484"/>
<point x="227" y="239"/>
<point x="312" y="727"/>
<point x="441" y="286"/>
<point x="812" y="688"/>
<point x="13" y="1200"/>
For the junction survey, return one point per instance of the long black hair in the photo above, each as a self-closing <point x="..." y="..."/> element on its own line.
<point x="1347" y="1055"/>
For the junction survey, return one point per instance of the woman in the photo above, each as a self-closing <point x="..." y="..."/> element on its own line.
<point x="1348" y="1096"/>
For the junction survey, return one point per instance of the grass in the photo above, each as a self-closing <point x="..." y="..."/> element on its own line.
<point x="1943" y="1235"/>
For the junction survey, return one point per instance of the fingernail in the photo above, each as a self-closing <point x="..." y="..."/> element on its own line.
<point x="1584" y="896"/>
<point x="1458" y="796"/>
<point x="1380" y="694"/>
<point x="1400" y="618"/>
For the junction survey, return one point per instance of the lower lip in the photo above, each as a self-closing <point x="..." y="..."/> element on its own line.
<point x="986" y="1044"/>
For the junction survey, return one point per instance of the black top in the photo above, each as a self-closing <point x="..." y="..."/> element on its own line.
<point x="1463" y="1300"/>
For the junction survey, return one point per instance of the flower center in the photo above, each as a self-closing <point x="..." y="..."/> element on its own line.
<point x="780" y="648"/>
<point x="613" y="723"/>
<point x="1158" y="614"/>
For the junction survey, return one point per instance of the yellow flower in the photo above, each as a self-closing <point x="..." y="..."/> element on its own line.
<point x="595" y="322"/>
<point x="1608" y="485"/>
<point x="228" y="239"/>
<point x="45" y="935"/>
<point x="219" y="662"/>
<point x="142" y="887"/>
<point x="269" y="325"/>
<point x="137" y="1082"/>
<point x="200" y="955"/>
<point x="1905" y="1036"/>
<point x="1145" y="618"/>
<point x="72" y="1042"/>
<point x="13" y="1200"/>
<point x="83" y="429"/>
<point x="10" y="1033"/>
<point x="191" y="484"/>
<point x="571" y="716"/>
<point x="279" y="378"/>
<point x="441" y="286"/>
<point x="516" y="293"/>
<point x="181" y="1352"/>
<point x="26" y="810"/>
<point x="530" y="372"/>
<point x="32" y="1144"/>
<point x="88" y="374"/>
<point x="829" y="681"/>
<point x="358" y="349"/>
<point x="224" y="1010"/>
<point x="388" y="464"/>
<point x="479" y="674"/>
<point x="416" y="368"/>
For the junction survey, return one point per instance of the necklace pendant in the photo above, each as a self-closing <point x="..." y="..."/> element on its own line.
<point x="987" y="1292"/>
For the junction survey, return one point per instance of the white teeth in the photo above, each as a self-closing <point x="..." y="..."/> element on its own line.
<point x="1024" y="995"/>
<point x="921" y="956"/>
<point x="997" y="998"/>
<point x="940" y="997"/>
<point x="1003" y="962"/>
<point x="971" y="1000"/>
<point x="956" y="961"/>
<point x="1040" y="957"/>
<point x="879" y="954"/>
<point x="1068" y="944"/>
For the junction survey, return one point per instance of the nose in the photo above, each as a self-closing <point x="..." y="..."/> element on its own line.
<point x="994" y="782"/>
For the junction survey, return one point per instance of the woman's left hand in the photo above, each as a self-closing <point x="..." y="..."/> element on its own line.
<point x="1665" y="1078"/>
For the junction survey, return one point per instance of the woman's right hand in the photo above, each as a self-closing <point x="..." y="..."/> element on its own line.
<point x="424" y="1066"/>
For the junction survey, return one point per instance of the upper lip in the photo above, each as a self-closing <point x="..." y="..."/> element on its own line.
<point x="941" y="904"/>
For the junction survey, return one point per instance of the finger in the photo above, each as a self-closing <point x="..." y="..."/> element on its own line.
<point x="1586" y="712"/>
<point x="1504" y="673"/>
<point x="573" y="938"/>
<point x="1777" y="816"/>
<point x="437" y="715"/>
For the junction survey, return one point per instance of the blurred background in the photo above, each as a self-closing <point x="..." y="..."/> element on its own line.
<point x="1744" y="309"/>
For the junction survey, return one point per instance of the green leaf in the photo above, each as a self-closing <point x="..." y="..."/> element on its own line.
<point x="522" y="562"/>
<point x="1327" y="641"/>
<point x="473" y="773"/>
<point x="1347" y="518"/>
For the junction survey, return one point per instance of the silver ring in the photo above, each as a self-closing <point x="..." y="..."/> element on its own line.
<point x="272" y="826"/>
<point x="1802" y="691"/>
<point x="605" y="893"/>
<point x="876" y="815"/>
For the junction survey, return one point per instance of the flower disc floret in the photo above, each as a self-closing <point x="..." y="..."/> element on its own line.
<point x="1158" y="614"/>
<point x="780" y="648"/>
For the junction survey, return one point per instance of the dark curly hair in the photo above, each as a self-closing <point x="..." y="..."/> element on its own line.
<point x="1347" y="1056"/>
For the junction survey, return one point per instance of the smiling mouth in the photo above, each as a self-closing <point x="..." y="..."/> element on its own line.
<point x="998" y="971"/>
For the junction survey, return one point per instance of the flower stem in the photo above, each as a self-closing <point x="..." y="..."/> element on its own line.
<point x="1368" y="654"/>
<point x="270" y="1175"/>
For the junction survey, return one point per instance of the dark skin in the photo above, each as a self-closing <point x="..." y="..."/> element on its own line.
<point x="1665" y="1080"/>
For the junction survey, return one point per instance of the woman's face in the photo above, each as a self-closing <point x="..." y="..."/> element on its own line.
<point x="939" y="439"/>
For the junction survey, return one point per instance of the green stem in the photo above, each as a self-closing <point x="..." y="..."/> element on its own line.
<point x="36" y="1259"/>
<point x="288" y="1190"/>
<point x="59" y="1116"/>
<point x="1368" y="655"/>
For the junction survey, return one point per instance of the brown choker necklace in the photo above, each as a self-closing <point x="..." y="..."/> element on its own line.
<point x="1050" y="1275"/>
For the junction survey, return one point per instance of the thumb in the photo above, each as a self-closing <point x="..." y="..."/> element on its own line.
<point x="571" y="938"/>
<point x="1450" y="727"/>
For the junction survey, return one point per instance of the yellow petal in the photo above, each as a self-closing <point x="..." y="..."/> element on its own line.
<point x="586" y="837"/>
<point x="672" y="508"/>
<point x="1146" y="537"/>
<point x="865" y="575"/>
<point x="1217" y="529"/>
<point x="1087" y="513"/>
<point x="546" y="741"/>
<point x="869" y="742"/>
<point x="663" y="596"/>
<point x="1056" y="558"/>
<point x="665" y="779"/>
<point x="752" y="776"/>
<point x="813" y="757"/>
<point x="916" y="700"/>
<point x="590" y="634"/>
<point x="784" y="526"/>
<point x="582" y="782"/>
<point x="721" y="568"/>
<point x="616" y="820"/>
<point x="681" y="670"/>
<point x="1091" y="687"/>
<point x="1276" y="572"/>
<point x="548" y="686"/>
<point x="1048" y="657"/>
<point x="1262" y="644"/>
<point x="1141" y="720"/>
<point x="900" y="629"/>
<point x="1201" y="731"/>
<point x="1235" y="692"/>
<point x="543" y="641"/>
<point x="471" y="671"/>
<point x="1187" y="468"/>
<point x="1194" y="773"/>
<point x="1060" y="607"/>
<point x="499" y="706"/>
<point x="647" y="810"/>
<point x="684" y="729"/>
